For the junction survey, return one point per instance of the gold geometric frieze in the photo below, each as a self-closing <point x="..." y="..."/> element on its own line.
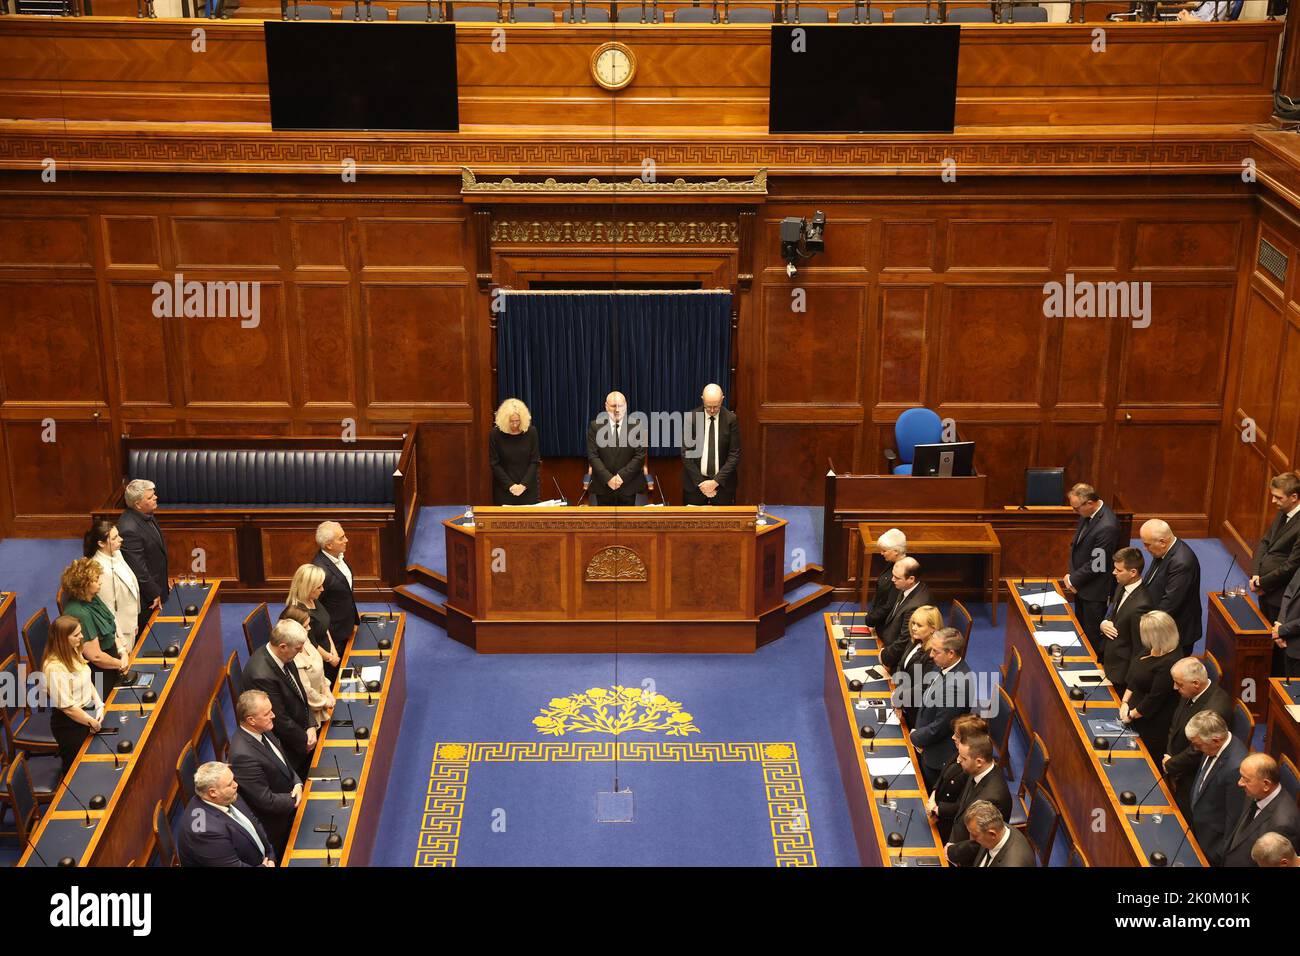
<point x="703" y="233"/>
<point x="509" y="186"/>
<point x="615" y="564"/>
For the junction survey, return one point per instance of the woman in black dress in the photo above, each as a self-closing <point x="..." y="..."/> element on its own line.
<point x="304" y="592"/>
<point x="515" y="456"/>
<point x="1150" y="699"/>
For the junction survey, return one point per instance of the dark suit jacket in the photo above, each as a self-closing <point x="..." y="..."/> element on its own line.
<point x="209" y="837"/>
<point x="1289" y="616"/>
<point x="623" y="459"/>
<point x="883" y="599"/>
<point x="265" y="783"/>
<point x="1117" y="653"/>
<point x="145" y="552"/>
<point x="1184" y="759"/>
<point x="909" y="673"/>
<point x="291" y="715"/>
<point x="992" y="788"/>
<point x="1277" y="558"/>
<point x="338" y="601"/>
<point x="1175" y="588"/>
<point x="944" y="697"/>
<point x="728" y="426"/>
<point x="1280" y="816"/>
<point x="947" y="797"/>
<point x="1098" y="535"/>
<point x="893" y="635"/>
<point x="1217" y="805"/>
<point x="1017" y="852"/>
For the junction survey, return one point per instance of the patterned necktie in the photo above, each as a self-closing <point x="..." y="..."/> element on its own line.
<point x="292" y="670"/>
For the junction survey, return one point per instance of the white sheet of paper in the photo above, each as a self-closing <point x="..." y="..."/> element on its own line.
<point x="372" y="673"/>
<point x="1294" y="711"/>
<point x="888" y="766"/>
<point x="1044" y="599"/>
<point x="860" y="673"/>
<point x="1074" y="678"/>
<point x="1064" y="638"/>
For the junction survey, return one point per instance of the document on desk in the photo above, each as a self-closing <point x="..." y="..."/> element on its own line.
<point x="1063" y="638"/>
<point x="1044" y="599"/>
<point x="374" y="672"/>
<point x="1085" y="678"/>
<point x="888" y="767"/>
<point x="865" y="674"/>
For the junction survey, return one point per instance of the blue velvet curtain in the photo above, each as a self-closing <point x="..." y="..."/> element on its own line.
<point x="562" y="353"/>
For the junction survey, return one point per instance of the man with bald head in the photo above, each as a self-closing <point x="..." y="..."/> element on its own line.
<point x="709" y="462"/>
<point x="1173" y="581"/>
<point x="616" y="454"/>
<point x="1268" y="809"/>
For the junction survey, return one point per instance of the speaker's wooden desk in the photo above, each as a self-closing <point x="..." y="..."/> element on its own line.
<point x="942" y="537"/>
<point x="581" y="580"/>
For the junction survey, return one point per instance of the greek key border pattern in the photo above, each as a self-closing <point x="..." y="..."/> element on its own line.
<point x="444" y="808"/>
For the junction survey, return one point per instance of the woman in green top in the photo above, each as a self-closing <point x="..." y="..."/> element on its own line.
<point x="80" y="586"/>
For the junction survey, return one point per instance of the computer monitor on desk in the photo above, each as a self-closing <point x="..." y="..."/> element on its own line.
<point x="944" y="460"/>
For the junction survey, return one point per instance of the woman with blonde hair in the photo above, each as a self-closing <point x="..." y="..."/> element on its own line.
<point x="915" y="662"/>
<point x="80" y="585"/>
<point x="304" y="593"/>
<point x="76" y="708"/>
<point x="1149" y="696"/>
<point x="311" y="668"/>
<point x="515" y="456"/>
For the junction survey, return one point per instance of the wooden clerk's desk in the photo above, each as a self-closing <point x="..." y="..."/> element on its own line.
<point x="1242" y="642"/>
<point x="942" y="537"/>
<point x="586" y="580"/>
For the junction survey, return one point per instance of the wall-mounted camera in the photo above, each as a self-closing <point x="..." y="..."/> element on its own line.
<point x="801" y="239"/>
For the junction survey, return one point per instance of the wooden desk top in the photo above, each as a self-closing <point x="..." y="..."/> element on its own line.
<point x="939" y="537"/>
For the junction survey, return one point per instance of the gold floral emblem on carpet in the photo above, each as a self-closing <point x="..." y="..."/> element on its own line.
<point x="614" y="710"/>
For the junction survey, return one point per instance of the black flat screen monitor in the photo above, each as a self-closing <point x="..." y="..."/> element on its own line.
<point x="875" y="79"/>
<point x="944" y="460"/>
<point x="362" y="76"/>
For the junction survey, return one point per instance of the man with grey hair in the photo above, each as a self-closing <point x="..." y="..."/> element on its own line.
<point x="257" y="757"/>
<point x="339" y="597"/>
<point x="710" y="465"/>
<point x="1267" y="808"/>
<point x="616" y="455"/>
<point x="1000" y="845"/>
<point x="1273" y="849"/>
<point x="1215" y="798"/>
<point x="143" y="547"/>
<point x="1173" y="581"/>
<point x="892" y="546"/>
<point x="271" y="669"/>
<point x="218" y="828"/>
<point x="1196" y="693"/>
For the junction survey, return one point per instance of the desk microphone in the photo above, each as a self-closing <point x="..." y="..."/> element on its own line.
<point x="1127" y="796"/>
<point x="117" y="764"/>
<point x="138" y="701"/>
<point x="391" y="615"/>
<point x="1159" y="859"/>
<point x="880" y="783"/>
<point x="1223" y="588"/>
<point x="586" y="487"/>
<point x="662" y="500"/>
<point x="1078" y="693"/>
<point x="345" y="783"/>
<point x="333" y="841"/>
<point x="344" y="723"/>
<point x="900" y="839"/>
<point x="1113" y="741"/>
<point x="42" y="859"/>
<point x="164" y="654"/>
<point x="554" y="480"/>
<point x="869" y="733"/>
<point x="97" y="800"/>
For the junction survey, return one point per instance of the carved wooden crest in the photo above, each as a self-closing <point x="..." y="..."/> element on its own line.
<point x="616" y="564"/>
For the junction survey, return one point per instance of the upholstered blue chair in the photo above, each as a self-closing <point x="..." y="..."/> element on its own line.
<point x="916" y="426"/>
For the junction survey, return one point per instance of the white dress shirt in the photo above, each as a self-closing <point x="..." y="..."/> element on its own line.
<point x="341" y="565"/>
<point x="997" y="847"/>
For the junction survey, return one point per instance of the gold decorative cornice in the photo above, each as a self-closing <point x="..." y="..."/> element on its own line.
<point x="509" y="187"/>
<point x="610" y="231"/>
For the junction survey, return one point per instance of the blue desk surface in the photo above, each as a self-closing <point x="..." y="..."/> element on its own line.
<point x="60" y="838"/>
<point x="1291" y="688"/>
<point x="371" y="629"/>
<point x="183" y="595"/>
<point x="1241" y="612"/>
<point x="89" y="778"/>
<point x="1164" y="834"/>
<point x="918" y="835"/>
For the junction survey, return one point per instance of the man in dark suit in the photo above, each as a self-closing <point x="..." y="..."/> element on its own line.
<point x="1197" y="694"/>
<point x="1000" y="845"/>
<point x="1268" y="809"/>
<point x="218" y="828"/>
<point x="709" y="463"/>
<point x="338" y="599"/>
<point x="1277" y="558"/>
<point x="948" y="692"/>
<point x="616" y="454"/>
<point x="143" y="547"/>
<point x="893" y="548"/>
<point x="910" y="592"/>
<point x="1096" y="539"/>
<point x="1215" y="800"/>
<point x="984" y="781"/>
<point x="267" y="782"/>
<point x="1173" y="581"/>
<point x="271" y="670"/>
<point x="1286" y="631"/>
<point x="1120" y="638"/>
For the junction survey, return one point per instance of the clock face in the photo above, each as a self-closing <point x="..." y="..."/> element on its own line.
<point x="612" y="66"/>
